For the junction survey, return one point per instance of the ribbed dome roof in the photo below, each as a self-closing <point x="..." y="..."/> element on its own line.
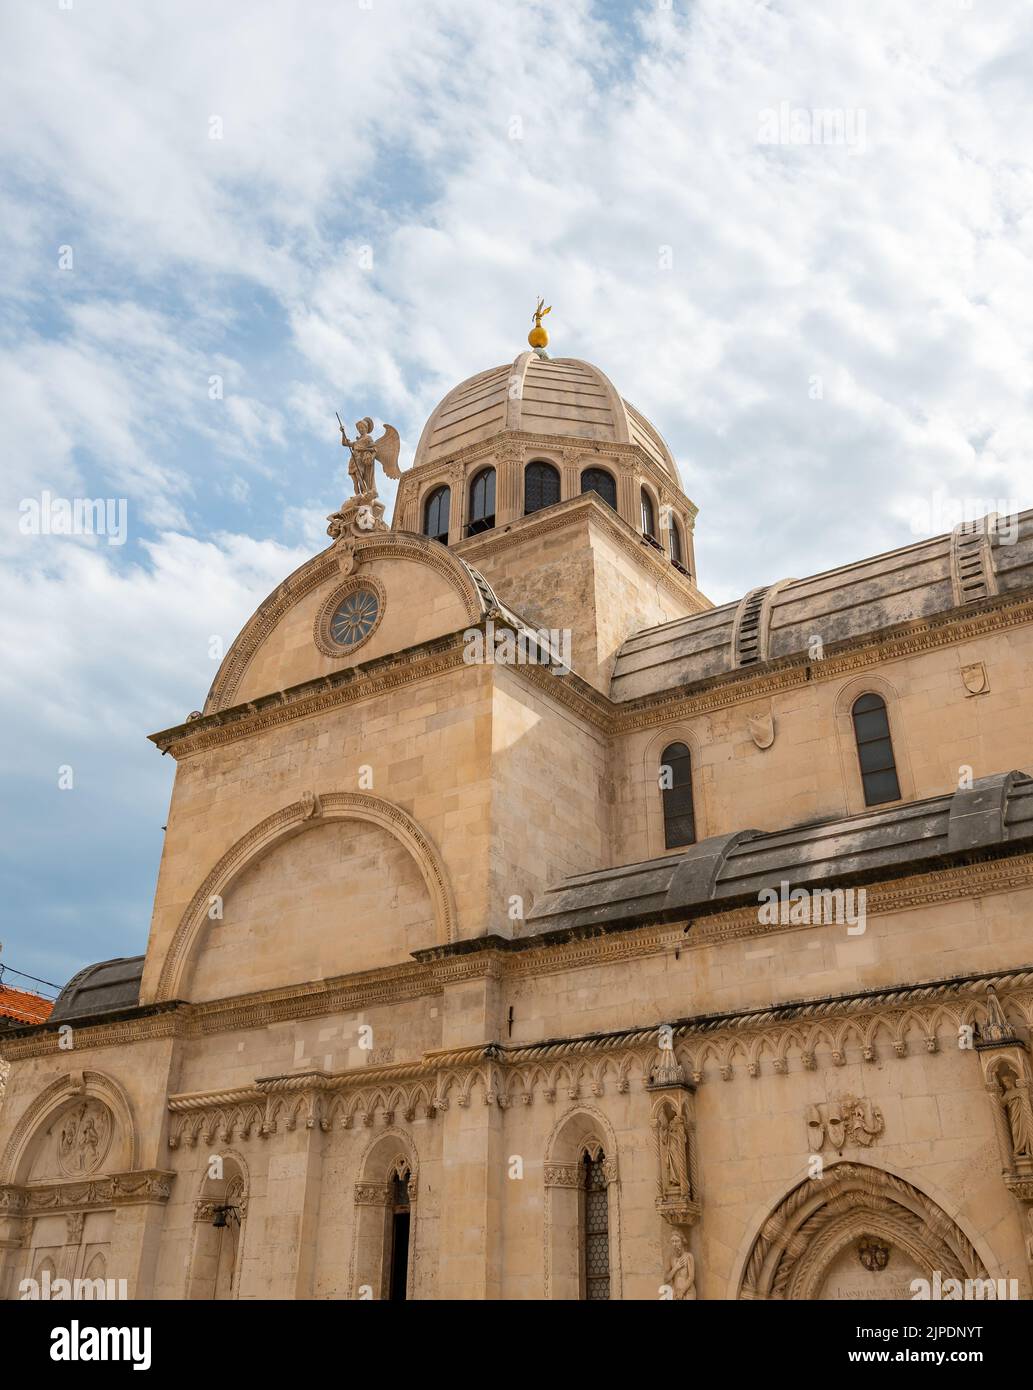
<point x="561" y="396"/>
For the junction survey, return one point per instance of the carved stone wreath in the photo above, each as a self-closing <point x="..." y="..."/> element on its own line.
<point x="321" y="630"/>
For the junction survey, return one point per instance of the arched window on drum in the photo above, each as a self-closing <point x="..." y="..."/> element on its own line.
<point x="435" y="514"/>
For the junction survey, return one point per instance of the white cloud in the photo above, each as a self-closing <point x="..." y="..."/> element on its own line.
<point x="896" y="272"/>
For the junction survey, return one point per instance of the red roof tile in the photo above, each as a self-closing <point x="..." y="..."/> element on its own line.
<point x="24" y="1007"/>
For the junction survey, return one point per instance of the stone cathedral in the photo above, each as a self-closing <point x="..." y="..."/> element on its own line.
<point x="528" y="927"/>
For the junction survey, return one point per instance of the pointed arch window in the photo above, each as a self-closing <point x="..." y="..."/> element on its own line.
<point x="435" y="514"/>
<point x="482" y="502"/>
<point x="676" y="793"/>
<point x="875" y="750"/>
<point x="597" y="480"/>
<point x="541" y="486"/>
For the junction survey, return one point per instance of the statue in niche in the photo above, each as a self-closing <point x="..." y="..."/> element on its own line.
<point x="681" y="1272"/>
<point x="674" y="1156"/>
<point x="1014" y="1099"/>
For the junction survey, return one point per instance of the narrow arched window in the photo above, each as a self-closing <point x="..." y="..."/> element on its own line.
<point x="675" y="546"/>
<point x="597" y="480"/>
<point x="400" y="1218"/>
<point x="541" y="486"/>
<point x="676" y="792"/>
<point x="595" y="1228"/>
<point x="435" y="514"/>
<point x="648" y="517"/>
<point x="875" y="750"/>
<point x="482" y="502"/>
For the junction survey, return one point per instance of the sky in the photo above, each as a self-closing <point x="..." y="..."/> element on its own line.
<point x="798" y="237"/>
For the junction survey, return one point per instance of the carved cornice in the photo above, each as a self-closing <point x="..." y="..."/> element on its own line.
<point x="354" y="684"/>
<point x="116" y="1189"/>
<point x="805" y="1035"/>
<point x="897" y="895"/>
<point x="372" y="681"/>
<point x="428" y="977"/>
<point x="444" y="655"/>
<point x="562" y="1175"/>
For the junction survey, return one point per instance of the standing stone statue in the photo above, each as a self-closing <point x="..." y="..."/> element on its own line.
<point x="681" y="1274"/>
<point x="1015" y="1101"/>
<point x="364" y="512"/>
<point x="674" y="1150"/>
<point x="365" y="451"/>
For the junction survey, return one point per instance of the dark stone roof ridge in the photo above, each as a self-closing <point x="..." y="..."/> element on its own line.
<point x="727" y="870"/>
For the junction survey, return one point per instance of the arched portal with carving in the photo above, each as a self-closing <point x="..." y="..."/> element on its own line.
<point x="292" y="820"/>
<point x="582" y="1209"/>
<point x="55" y="1177"/>
<point x="385" y="1226"/>
<point x="855" y="1231"/>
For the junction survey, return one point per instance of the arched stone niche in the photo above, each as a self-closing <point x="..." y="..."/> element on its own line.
<point x="391" y="1156"/>
<point x="220" y="1223"/>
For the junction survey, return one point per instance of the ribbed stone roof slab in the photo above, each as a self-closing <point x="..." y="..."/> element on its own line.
<point x="994" y="813"/>
<point x="106" y="987"/>
<point x="969" y="565"/>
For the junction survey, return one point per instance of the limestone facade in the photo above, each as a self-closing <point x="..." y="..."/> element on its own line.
<point x="429" y="1006"/>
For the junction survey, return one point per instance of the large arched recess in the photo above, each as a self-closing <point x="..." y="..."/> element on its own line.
<point x="124" y="1153"/>
<point x="282" y="825"/>
<point x="474" y="599"/>
<point x="801" y="1237"/>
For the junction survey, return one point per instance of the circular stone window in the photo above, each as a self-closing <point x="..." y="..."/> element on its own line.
<point x="349" y="617"/>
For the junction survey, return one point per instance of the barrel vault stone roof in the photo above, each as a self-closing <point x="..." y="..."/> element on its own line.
<point x="106" y="987"/>
<point x="966" y="566"/>
<point x="994" y="816"/>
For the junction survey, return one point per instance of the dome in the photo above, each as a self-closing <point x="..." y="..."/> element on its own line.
<point x="540" y="396"/>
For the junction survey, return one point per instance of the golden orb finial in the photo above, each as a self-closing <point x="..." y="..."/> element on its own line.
<point x="538" y="337"/>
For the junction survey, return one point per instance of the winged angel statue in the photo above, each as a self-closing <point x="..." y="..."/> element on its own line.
<point x="365" y="451"/>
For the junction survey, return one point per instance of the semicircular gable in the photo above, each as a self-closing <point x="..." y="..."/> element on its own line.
<point x="282" y="826"/>
<point x="427" y="592"/>
<point x="92" y="1092"/>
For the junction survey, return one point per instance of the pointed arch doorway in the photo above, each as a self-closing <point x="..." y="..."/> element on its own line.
<point x="856" y="1232"/>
